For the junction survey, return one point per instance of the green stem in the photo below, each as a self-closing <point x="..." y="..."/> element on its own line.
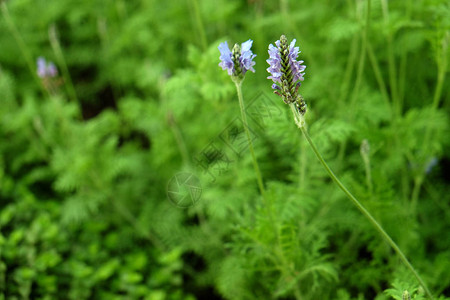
<point x="402" y="79"/>
<point x="303" y="161"/>
<point x="20" y="42"/>
<point x="351" y="60"/>
<point x="287" y="18"/>
<point x="267" y="204"/>
<point x="54" y="42"/>
<point x="391" y="60"/>
<point x="377" y="71"/>
<point x="418" y="180"/>
<point x="438" y="91"/>
<point x="359" y="75"/>
<point x="442" y="70"/>
<point x="369" y="178"/>
<point x="362" y="57"/>
<point x="365" y="154"/>
<point x="199" y="23"/>
<point x="247" y="132"/>
<point x="179" y="138"/>
<point x="397" y="106"/>
<point x="302" y="125"/>
<point x="403" y="62"/>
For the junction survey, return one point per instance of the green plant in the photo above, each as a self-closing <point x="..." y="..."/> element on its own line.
<point x="85" y="166"/>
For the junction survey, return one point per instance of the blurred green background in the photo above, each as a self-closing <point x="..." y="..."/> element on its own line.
<point x="127" y="176"/>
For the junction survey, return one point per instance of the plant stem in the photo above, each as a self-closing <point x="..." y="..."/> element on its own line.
<point x="377" y="72"/>
<point x="301" y="124"/>
<point x="19" y="40"/>
<point x="247" y="132"/>
<point x="362" y="58"/>
<point x="418" y="180"/>
<point x="54" y="42"/>
<point x="303" y="164"/>
<point x="391" y="60"/>
<point x="365" y="154"/>
<point x="351" y="60"/>
<point x="403" y="63"/>
<point x="359" y="75"/>
<point x="199" y="23"/>
<point x="178" y="138"/>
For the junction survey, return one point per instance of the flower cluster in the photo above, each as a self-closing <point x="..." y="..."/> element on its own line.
<point x="286" y="72"/>
<point x="238" y="61"/>
<point x="46" y="70"/>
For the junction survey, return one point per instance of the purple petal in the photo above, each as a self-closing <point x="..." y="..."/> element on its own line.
<point x="274" y="63"/>
<point x="225" y="57"/>
<point x="41" y="68"/>
<point x="51" y="70"/>
<point x="296" y="66"/>
<point x="292" y="45"/>
<point x="245" y="46"/>
<point x="224" y="49"/>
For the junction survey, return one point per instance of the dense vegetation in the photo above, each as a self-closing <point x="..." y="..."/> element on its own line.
<point x="92" y="160"/>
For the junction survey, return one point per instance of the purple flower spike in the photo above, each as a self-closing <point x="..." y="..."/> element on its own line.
<point x="286" y="72"/>
<point x="237" y="61"/>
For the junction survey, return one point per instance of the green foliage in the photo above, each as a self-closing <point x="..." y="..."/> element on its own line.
<point x="84" y="181"/>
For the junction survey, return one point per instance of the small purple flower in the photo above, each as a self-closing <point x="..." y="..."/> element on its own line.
<point x="286" y="72"/>
<point x="45" y="69"/>
<point x="238" y="61"/>
<point x="51" y="70"/>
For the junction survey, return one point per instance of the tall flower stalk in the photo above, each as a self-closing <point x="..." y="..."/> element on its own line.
<point x="237" y="62"/>
<point x="286" y="73"/>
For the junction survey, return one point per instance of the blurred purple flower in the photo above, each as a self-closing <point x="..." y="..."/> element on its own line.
<point x="51" y="70"/>
<point x="431" y="164"/>
<point x="45" y="69"/>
